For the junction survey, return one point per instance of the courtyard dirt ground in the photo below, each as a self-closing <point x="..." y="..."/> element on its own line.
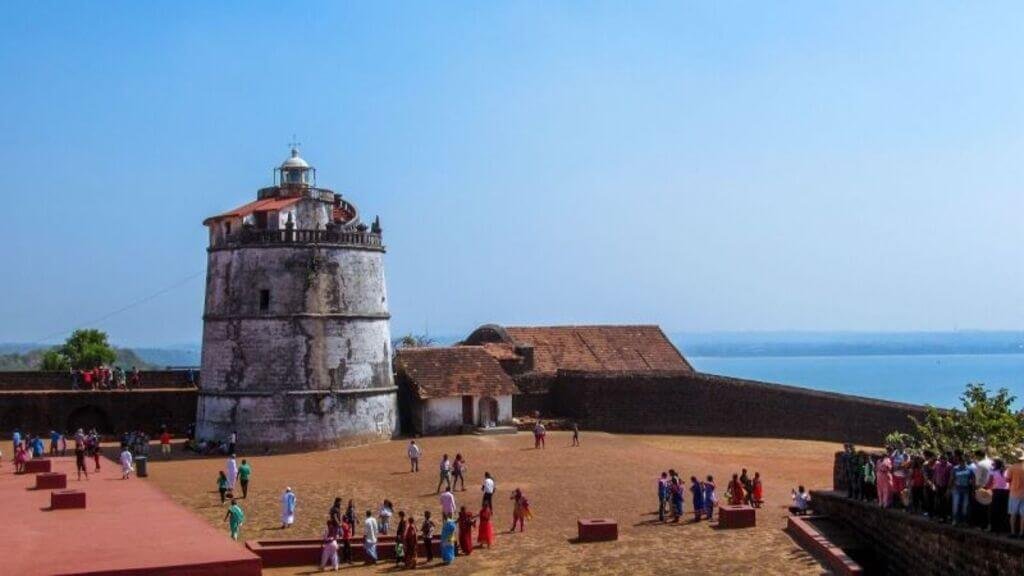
<point x="609" y="476"/>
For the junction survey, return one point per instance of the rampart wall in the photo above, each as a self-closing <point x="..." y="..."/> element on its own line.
<point x="911" y="544"/>
<point x="675" y="402"/>
<point x="38" y="380"/>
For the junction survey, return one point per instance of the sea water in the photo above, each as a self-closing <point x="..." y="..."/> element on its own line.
<point x="920" y="379"/>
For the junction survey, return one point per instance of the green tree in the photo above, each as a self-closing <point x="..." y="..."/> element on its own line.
<point x="415" y="341"/>
<point x="54" y="361"/>
<point x="987" y="421"/>
<point x="88" y="348"/>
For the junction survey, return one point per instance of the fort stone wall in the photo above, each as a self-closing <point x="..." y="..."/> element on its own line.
<point x="911" y="544"/>
<point x="677" y="402"/>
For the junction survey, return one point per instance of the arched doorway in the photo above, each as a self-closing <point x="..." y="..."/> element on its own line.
<point x="89" y="417"/>
<point x="488" y="411"/>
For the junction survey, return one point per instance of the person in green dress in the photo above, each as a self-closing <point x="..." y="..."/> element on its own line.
<point x="243" y="477"/>
<point x="235" y="517"/>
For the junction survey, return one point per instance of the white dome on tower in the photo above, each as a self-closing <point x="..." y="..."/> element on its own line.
<point x="295" y="161"/>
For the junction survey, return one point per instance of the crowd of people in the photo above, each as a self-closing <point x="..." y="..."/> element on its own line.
<point x="672" y="490"/>
<point x="459" y="528"/>
<point x="106" y="378"/>
<point x="964" y="489"/>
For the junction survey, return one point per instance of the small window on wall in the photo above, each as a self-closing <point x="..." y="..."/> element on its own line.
<point x="264" y="300"/>
<point x="227" y="228"/>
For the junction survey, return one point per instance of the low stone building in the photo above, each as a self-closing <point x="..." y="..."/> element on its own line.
<point x="534" y="355"/>
<point x="451" y="390"/>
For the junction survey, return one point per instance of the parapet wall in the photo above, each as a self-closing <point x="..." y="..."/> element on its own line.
<point x="38" y="380"/>
<point x="676" y="402"/>
<point x="911" y="544"/>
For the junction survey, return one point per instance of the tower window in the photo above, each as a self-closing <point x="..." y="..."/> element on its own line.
<point x="264" y="300"/>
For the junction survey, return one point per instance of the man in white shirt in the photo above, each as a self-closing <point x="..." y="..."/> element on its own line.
<point x="982" y="469"/>
<point x="447" y="500"/>
<point x="232" y="471"/>
<point x="488" y="489"/>
<point x="414" y="456"/>
<point x="370" y="538"/>
<point x="126" y="463"/>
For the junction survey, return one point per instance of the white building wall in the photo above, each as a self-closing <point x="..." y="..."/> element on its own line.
<point x="442" y="415"/>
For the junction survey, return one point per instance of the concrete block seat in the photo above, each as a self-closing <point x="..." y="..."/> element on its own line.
<point x="37" y="466"/>
<point x="736" y="517"/>
<point x="51" y="481"/>
<point x="597" y="529"/>
<point x="67" y="499"/>
<point x="306" y="552"/>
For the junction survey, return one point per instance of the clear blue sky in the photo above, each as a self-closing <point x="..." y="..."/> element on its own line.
<point x="716" y="166"/>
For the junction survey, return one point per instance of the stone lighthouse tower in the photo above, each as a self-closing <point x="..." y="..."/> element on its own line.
<point x="296" y="342"/>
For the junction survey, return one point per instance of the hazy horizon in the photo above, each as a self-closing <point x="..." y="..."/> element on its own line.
<point x="709" y="167"/>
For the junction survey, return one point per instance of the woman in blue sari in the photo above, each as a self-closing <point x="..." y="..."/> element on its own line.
<point x="676" y="494"/>
<point x="697" y="489"/>
<point x="448" y="540"/>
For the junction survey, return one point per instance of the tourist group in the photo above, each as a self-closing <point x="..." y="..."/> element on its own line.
<point x="457" y="523"/>
<point x="742" y="489"/>
<point x="965" y="489"/>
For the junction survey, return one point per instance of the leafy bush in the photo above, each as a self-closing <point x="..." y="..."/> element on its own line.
<point x="987" y="422"/>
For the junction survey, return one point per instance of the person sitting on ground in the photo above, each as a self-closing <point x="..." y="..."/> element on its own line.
<point x="801" y="500"/>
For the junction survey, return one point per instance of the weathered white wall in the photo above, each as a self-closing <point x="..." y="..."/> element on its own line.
<point x="442" y="415"/>
<point x="504" y="410"/>
<point x="292" y="375"/>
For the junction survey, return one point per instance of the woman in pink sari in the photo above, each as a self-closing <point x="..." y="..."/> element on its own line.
<point x="883" y="478"/>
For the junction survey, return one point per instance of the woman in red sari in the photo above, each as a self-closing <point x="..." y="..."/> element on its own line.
<point x="735" y="491"/>
<point x="409" y="539"/>
<point x="485" y="534"/>
<point x="466" y="523"/>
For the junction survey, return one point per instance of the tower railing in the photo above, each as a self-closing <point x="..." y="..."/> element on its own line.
<point x="293" y="236"/>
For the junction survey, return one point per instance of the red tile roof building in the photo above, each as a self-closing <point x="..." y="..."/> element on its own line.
<point x="447" y="390"/>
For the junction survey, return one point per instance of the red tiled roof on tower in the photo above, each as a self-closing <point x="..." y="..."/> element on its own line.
<point x="265" y="205"/>
<point x="455" y="371"/>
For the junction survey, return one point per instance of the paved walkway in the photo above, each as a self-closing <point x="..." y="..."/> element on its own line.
<point x="129" y="526"/>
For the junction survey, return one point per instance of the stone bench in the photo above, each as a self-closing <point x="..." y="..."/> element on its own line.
<point x="597" y="529"/>
<point x="51" y="481"/>
<point x="67" y="499"/>
<point x="736" y="517"/>
<point x="37" y="465"/>
<point x="306" y="552"/>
